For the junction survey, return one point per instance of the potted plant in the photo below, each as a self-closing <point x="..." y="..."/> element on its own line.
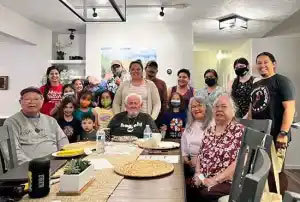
<point x="77" y="174"/>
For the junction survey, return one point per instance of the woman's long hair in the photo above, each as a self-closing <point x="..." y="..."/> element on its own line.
<point x="48" y="84"/>
<point x="208" y="113"/>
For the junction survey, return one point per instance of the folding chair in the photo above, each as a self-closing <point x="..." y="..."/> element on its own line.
<point x="291" y="197"/>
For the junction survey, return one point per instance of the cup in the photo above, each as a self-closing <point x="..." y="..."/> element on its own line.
<point x="163" y="134"/>
<point x="157" y="138"/>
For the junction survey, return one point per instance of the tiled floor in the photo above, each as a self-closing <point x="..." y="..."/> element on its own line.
<point x="294" y="180"/>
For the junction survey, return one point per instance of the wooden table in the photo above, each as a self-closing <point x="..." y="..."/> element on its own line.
<point x="170" y="188"/>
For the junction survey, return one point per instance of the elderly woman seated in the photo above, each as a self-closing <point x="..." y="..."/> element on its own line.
<point x="199" y="116"/>
<point x="217" y="158"/>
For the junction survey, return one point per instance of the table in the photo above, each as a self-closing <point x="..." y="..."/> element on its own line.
<point x="111" y="187"/>
<point x="169" y="188"/>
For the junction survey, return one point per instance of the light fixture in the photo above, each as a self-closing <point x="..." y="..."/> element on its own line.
<point x="233" y="22"/>
<point x="94" y="13"/>
<point x="72" y="36"/>
<point x="161" y="13"/>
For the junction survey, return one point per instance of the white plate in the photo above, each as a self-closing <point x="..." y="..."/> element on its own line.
<point x="161" y="145"/>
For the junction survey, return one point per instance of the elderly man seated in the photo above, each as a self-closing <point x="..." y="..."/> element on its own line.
<point x="131" y="122"/>
<point x="36" y="134"/>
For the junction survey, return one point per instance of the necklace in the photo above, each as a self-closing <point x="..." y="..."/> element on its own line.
<point x="35" y="123"/>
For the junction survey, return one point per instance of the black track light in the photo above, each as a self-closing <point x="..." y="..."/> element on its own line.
<point x="161" y="13"/>
<point x="94" y="13"/>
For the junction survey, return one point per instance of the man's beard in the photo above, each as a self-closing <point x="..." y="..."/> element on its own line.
<point x="133" y="114"/>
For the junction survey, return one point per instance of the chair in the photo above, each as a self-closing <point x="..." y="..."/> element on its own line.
<point x="8" y="155"/>
<point x="254" y="182"/>
<point x="291" y="197"/>
<point x="262" y="125"/>
<point x="252" y="140"/>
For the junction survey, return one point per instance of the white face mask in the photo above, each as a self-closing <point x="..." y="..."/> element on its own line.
<point x="175" y="103"/>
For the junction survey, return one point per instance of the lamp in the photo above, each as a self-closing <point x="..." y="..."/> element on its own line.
<point x="72" y="36"/>
<point x="94" y="13"/>
<point x="233" y="22"/>
<point x="161" y="13"/>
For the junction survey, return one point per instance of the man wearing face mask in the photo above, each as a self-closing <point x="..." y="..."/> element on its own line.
<point x="241" y="87"/>
<point x="131" y="122"/>
<point x="119" y="75"/>
<point x="212" y="90"/>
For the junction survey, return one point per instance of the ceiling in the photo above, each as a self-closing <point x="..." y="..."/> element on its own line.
<point x="263" y="15"/>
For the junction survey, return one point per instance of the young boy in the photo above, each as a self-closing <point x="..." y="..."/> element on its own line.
<point x="88" y="131"/>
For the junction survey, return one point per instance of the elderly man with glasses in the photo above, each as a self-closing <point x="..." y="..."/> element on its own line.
<point x="36" y="134"/>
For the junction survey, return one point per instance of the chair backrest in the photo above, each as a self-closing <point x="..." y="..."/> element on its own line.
<point x="254" y="182"/>
<point x="8" y="155"/>
<point x="262" y="125"/>
<point x="291" y="197"/>
<point x="252" y="140"/>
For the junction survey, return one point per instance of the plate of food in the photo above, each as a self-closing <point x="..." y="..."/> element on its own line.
<point x="145" y="168"/>
<point x="151" y="144"/>
<point x="68" y="153"/>
<point x="124" y="138"/>
<point x="81" y="145"/>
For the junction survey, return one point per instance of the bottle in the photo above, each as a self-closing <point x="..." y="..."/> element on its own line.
<point x="147" y="133"/>
<point x="100" y="141"/>
<point x="39" y="177"/>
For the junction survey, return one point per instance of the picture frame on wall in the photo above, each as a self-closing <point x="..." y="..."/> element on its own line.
<point x="3" y="82"/>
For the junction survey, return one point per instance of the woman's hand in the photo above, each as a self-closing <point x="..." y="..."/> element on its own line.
<point x="209" y="182"/>
<point x="196" y="181"/>
<point x="163" y="128"/>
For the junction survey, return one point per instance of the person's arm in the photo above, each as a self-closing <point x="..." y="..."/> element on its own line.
<point x="165" y="97"/>
<point x="156" y="104"/>
<point x="117" y="103"/>
<point x="96" y="115"/>
<point x="249" y="112"/>
<point x="152" y="124"/>
<point x="229" y="86"/>
<point x="16" y="130"/>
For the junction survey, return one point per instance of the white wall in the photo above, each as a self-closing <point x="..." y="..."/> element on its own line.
<point x="173" y="44"/>
<point x="286" y="51"/>
<point x="24" y="64"/>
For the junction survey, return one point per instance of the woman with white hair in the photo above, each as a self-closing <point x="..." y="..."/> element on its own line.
<point x="199" y="116"/>
<point x="217" y="158"/>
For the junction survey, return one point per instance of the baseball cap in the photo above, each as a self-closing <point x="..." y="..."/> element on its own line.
<point x="30" y="89"/>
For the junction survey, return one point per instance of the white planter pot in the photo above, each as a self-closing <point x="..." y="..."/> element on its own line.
<point x="74" y="183"/>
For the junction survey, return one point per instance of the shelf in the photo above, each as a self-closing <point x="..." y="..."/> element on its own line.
<point x="67" y="62"/>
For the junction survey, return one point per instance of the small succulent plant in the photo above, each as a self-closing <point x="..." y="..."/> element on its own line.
<point x="76" y="166"/>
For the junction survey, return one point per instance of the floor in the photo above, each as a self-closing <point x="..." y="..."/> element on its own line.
<point x="294" y="180"/>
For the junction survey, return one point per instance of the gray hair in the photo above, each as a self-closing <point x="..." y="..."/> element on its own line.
<point x="131" y="95"/>
<point x="208" y="112"/>
<point x="231" y="102"/>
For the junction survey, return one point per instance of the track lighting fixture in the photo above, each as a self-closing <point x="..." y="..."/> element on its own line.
<point x="72" y="36"/>
<point x="94" y="13"/>
<point x="161" y="13"/>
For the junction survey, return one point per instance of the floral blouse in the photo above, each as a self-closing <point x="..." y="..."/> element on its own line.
<point x="218" y="152"/>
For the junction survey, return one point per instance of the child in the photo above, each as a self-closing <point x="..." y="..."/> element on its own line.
<point x="88" y="130"/>
<point x="66" y="121"/>
<point x="173" y="121"/>
<point x="104" y="110"/>
<point x="85" y="101"/>
<point x="68" y="90"/>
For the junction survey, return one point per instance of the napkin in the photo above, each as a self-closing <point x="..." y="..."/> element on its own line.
<point x="100" y="163"/>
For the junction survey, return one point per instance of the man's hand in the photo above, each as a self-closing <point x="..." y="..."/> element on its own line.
<point x="281" y="141"/>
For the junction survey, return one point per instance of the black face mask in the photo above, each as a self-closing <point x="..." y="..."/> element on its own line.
<point x="210" y="81"/>
<point x="241" y="71"/>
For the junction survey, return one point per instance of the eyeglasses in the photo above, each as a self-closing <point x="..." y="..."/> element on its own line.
<point x="35" y="100"/>
<point x="197" y="106"/>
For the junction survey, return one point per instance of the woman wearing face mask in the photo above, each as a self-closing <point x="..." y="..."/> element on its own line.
<point x="241" y="87"/>
<point x="104" y="109"/>
<point x="212" y="89"/>
<point x="143" y="87"/>
<point x="173" y="120"/>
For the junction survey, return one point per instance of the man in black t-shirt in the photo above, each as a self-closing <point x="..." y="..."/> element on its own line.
<point x="132" y="122"/>
<point x="273" y="98"/>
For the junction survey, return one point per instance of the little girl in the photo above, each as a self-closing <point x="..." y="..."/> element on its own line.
<point x="66" y="121"/>
<point x="85" y="101"/>
<point x="68" y="90"/>
<point x="173" y="121"/>
<point x="104" y="110"/>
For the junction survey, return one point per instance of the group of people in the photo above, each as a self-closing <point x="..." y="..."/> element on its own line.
<point x="203" y="120"/>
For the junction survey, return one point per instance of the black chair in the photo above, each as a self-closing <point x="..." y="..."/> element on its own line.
<point x="291" y="197"/>
<point x="254" y="182"/>
<point x="262" y="125"/>
<point x="251" y="142"/>
<point x="8" y="155"/>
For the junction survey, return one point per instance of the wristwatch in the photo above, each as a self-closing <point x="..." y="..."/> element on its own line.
<point x="284" y="133"/>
